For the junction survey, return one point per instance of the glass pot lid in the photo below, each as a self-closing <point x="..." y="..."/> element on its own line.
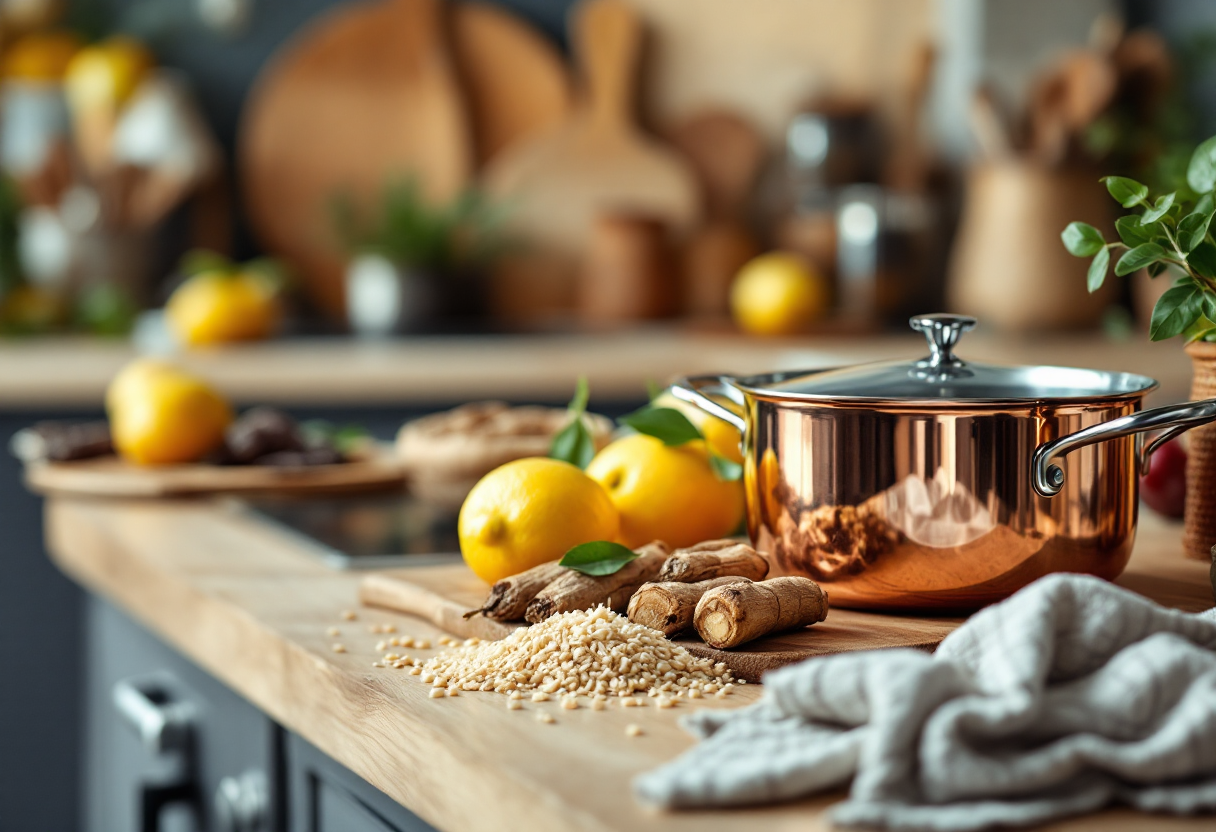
<point x="943" y="376"/>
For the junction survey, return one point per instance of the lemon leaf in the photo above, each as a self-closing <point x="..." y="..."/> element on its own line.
<point x="582" y="393"/>
<point x="668" y="425"/>
<point x="599" y="557"/>
<point x="725" y="469"/>
<point x="573" y="444"/>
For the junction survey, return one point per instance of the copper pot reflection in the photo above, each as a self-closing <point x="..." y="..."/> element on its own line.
<point x="958" y="487"/>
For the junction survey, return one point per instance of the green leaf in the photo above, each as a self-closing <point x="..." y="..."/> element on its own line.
<point x="582" y="393"/>
<point x="1138" y="257"/>
<point x="573" y="444"/>
<point x="1160" y="208"/>
<point x="669" y="426"/>
<point x="599" y="557"/>
<point x="1131" y="232"/>
<point x="1157" y="268"/>
<point x="1191" y="231"/>
<point x="1127" y="192"/>
<point x="1199" y="330"/>
<point x="199" y="260"/>
<point x="725" y="469"/>
<point x="1097" y="269"/>
<point x="1176" y="310"/>
<point x="1201" y="172"/>
<point x="1203" y="259"/>
<point x="1082" y="239"/>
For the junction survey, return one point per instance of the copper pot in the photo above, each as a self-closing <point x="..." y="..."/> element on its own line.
<point x="942" y="484"/>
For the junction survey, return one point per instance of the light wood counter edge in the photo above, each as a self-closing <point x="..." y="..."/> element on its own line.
<point x="248" y="606"/>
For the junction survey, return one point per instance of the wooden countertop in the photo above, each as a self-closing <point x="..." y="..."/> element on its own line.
<point x="73" y="373"/>
<point x="249" y="605"/>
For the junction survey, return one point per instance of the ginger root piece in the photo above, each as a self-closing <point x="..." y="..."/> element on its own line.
<point x="669" y="606"/>
<point x="508" y="598"/>
<point x="714" y="559"/>
<point x="738" y="612"/>
<point x="576" y="591"/>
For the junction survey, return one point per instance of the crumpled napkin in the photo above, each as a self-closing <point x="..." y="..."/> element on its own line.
<point x="1068" y="696"/>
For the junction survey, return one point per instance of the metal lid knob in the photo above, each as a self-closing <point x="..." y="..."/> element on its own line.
<point x="942" y="331"/>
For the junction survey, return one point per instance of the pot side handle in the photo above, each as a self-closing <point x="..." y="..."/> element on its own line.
<point x="1172" y="420"/>
<point x="696" y="390"/>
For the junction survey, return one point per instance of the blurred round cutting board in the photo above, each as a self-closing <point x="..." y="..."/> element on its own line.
<point x="596" y="161"/>
<point x="515" y="81"/>
<point x="364" y="94"/>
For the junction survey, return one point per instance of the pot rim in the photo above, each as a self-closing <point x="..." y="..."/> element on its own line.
<point x="748" y="385"/>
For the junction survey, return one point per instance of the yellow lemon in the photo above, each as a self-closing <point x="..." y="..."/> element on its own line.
<point x="160" y="414"/>
<point x="218" y="307"/>
<point x="41" y="56"/>
<point x="528" y="512"/>
<point x="721" y="436"/>
<point x="778" y="293"/>
<point x="667" y="493"/>
<point x="106" y="74"/>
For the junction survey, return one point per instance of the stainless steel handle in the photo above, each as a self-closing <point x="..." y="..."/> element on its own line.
<point x="242" y="803"/>
<point x="943" y="332"/>
<point x="164" y="722"/>
<point x="693" y="389"/>
<point x="1048" y="478"/>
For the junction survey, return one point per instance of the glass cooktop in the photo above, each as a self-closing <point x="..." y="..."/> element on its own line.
<point x="362" y="531"/>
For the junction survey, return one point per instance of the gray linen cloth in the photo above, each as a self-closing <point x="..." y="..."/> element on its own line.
<point x="1068" y="696"/>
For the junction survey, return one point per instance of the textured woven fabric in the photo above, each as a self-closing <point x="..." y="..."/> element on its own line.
<point x="1071" y="695"/>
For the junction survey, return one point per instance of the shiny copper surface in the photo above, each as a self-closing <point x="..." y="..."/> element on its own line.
<point x="909" y="507"/>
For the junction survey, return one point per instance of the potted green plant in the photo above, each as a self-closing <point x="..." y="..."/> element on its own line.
<point x="413" y="262"/>
<point x="1170" y="234"/>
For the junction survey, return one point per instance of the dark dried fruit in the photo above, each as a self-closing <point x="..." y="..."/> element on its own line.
<point x="62" y="441"/>
<point x="299" y="459"/>
<point x="261" y="432"/>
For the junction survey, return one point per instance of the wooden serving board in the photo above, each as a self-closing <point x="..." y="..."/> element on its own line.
<point x="110" y="476"/>
<point x="442" y="594"/>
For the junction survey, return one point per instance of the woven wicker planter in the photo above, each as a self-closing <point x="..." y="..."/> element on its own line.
<point x="1200" y="534"/>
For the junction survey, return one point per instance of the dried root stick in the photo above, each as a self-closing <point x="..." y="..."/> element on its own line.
<point x="508" y="599"/>
<point x="669" y="606"/>
<point x="738" y="612"/>
<point x="714" y="559"/>
<point x="576" y="591"/>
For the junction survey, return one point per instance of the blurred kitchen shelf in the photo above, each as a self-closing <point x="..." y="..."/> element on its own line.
<point x="73" y="372"/>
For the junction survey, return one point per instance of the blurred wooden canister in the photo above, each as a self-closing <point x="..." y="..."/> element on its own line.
<point x="629" y="272"/>
<point x="1008" y="267"/>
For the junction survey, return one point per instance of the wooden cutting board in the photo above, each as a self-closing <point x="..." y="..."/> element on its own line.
<point x="516" y="83"/>
<point x="597" y="161"/>
<point x="442" y="594"/>
<point x="110" y="476"/>
<point x="364" y="94"/>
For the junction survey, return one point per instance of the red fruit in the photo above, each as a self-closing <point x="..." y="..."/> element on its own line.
<point x="1163" y="488"/>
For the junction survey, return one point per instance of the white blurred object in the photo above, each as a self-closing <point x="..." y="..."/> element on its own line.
<point x="151" y="334"/>
<point x="228" y="17"/>
<point x="162" y="128"/>
<point x="44" y="247"/>
<point x="35" y="117"/>
<point x="383" y="298"/>
<point x="80" y="209"/>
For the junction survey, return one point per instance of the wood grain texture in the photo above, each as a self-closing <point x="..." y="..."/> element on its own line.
<point x="361" y="96"/>
<point x="414" y="592"/>
<point x="73" y="372"/>
<point x="515" y="81"/>
<point x="597" y="160"/>
<point x="110" y="476"/>
<point x="248" y="605"/>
